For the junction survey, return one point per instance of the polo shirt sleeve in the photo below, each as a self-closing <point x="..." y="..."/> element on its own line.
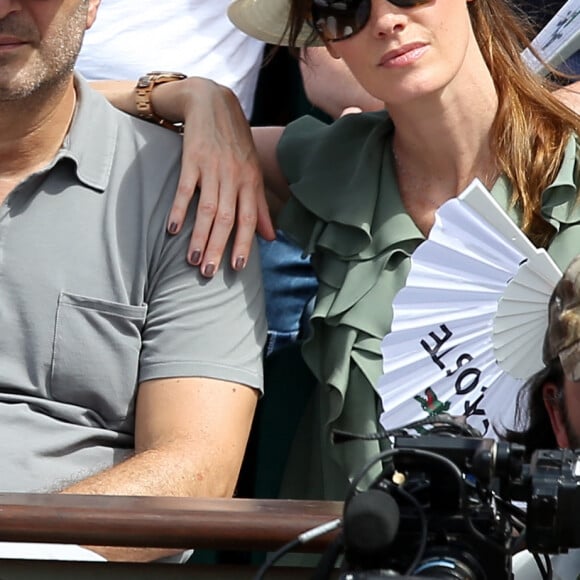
<point x="199" y="327"/>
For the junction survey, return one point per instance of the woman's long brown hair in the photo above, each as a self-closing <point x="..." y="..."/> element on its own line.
<point x="531" y="128"/>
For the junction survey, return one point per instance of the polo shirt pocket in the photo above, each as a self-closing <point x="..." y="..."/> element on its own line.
<point x="95" y="361"/>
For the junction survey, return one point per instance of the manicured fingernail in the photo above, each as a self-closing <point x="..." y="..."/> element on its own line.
<point x="172" y="228"/>
<point x="240" y="263"/>
<point x="195" y="257"/>
<point x="209" y="270"/>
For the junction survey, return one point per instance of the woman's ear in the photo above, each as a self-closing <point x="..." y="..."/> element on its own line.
<point x="551" y="394"/>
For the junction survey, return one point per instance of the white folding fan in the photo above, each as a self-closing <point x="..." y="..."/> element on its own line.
<point x="468" y="326"/>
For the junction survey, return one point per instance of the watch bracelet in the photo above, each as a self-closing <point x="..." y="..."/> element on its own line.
<point x="144" y="104"/>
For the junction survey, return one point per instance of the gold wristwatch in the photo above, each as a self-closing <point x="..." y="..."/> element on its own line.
<point x="143" y="97"/>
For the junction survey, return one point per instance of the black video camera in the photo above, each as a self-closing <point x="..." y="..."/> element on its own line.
<point x="442" y="508"/>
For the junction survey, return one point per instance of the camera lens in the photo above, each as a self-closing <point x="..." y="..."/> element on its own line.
<point x="447" y="568"/>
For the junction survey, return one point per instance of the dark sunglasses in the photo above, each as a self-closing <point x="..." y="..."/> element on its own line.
<point x="340" y="19"/>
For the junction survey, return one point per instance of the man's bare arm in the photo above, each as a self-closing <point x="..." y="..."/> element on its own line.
<point x="190" y="438"/>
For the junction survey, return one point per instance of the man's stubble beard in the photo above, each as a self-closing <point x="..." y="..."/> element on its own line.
<point x="52" y="63"/>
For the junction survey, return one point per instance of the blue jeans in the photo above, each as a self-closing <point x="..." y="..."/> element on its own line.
<point x="290" y="287"/>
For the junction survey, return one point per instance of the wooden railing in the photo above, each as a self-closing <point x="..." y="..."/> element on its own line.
<point x="220" y="524"/>
<point x="163" y="522"/>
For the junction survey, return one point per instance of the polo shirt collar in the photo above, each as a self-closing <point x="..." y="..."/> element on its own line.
<point x="92" y="138"/>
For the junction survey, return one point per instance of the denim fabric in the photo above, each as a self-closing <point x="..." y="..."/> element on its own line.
<point x="290" y="286"/>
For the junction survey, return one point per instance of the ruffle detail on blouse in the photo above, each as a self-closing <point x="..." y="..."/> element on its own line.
<point x="347" y="212"/>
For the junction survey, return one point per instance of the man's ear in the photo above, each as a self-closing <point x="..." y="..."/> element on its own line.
<point x="551" y="393"/>
<point x="92" y="12"/>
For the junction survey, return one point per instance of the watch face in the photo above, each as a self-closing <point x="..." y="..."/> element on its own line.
<point x="144" y="82"/>
<point x="157" y="77"/>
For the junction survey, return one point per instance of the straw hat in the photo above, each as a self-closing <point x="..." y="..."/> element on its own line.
<point x="267" y="20"/>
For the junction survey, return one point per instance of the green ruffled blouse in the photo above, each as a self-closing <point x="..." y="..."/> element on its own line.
<point x="346" y="211"/>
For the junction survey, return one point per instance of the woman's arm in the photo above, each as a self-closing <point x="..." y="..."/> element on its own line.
<point x="219" y="160"/>
<point x="277" y="190"/>
<point x="121" y="94"/>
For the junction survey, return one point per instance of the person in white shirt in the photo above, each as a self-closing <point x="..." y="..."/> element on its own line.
<point x="194" y="37"/>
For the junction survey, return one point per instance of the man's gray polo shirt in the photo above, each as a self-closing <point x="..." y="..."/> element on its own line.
<point x="96" y="297"/>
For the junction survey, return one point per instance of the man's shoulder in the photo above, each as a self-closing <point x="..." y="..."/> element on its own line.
<point x="135" y="161"/>
<point x="146" y="165"/>
<point x="132" y="134"/>
<point x="151" y="139"/>
<point x="138" y="145"/>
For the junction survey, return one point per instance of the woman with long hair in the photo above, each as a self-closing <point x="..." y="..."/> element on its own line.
<point x="363" y="191"/>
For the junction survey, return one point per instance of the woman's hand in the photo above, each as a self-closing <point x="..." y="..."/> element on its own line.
<point x="220" y="164"/>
